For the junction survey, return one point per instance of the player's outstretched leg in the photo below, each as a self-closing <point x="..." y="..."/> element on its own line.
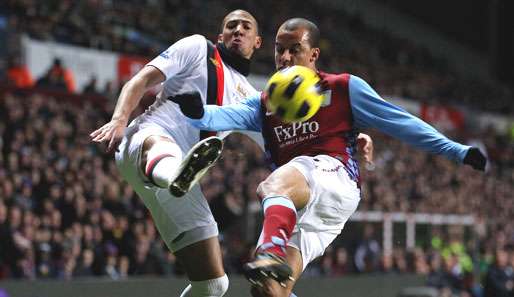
<point x="203" y="264"/>
<point x="269" y="287"/>
<point x="279" y="221"/>
<point x="267" y="265"/>
<point x="196" y="164"/>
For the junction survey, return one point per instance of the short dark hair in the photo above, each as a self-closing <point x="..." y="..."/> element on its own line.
<point x="239" y="11"/>
<point x="297" y="23"/>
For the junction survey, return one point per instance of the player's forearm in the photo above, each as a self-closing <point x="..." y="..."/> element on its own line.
<point x="229" y="117"/>
<point x="215" y="118"/>
<point x="133" y="91"/>
<point x="129" y="98"/>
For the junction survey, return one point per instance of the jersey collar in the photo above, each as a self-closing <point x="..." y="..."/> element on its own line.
<point x="242" y="65"/>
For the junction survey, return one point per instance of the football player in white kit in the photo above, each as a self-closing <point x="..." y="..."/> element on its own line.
<point x="160" y="154"/>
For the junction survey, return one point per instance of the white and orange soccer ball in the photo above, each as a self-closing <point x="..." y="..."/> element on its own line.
<point x="294" y="94"/>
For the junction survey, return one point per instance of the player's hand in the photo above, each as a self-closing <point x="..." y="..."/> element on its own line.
<point x="365" y="145"/>
<point x="190" y="104"/>
<point x="112" y="133"/>
<point x="475" y="158"/>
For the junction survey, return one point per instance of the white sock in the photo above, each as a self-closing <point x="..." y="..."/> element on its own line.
<point x="216" y="287"/>
<point x="163" y="160"/>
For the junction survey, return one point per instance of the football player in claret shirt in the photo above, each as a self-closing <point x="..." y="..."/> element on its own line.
<point x="159" y="151"/>
<point x="314" y="189"/>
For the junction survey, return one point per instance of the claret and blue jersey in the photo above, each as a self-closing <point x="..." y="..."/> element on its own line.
<point x="350" y="105"/>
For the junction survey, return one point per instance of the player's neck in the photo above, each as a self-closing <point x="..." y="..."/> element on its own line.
<point x="241" y="64"/>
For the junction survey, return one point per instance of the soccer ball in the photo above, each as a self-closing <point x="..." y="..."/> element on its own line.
<point x="294" y="94"/>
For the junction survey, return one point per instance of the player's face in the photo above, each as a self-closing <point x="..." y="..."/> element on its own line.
<point x="293" y="48"/>
<point x="240" y="34"/>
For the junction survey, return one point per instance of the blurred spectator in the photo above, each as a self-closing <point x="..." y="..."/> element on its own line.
<point x="456" y="248"/>
<point x="57" y="78"/>
<point x="91" y="87"/>
<point x="437" y="276"/>
<point x="84" y="268"/>
<point x="18" y="74"/>
<point x="400" y="260"/>
<point x="367" y="255"/>
<point x="342" y="265"/>
<point x="499" y="280"/>
<point x="387" y="263"/>
<point x="453" y="275"/>
<point x="144" y="262"/>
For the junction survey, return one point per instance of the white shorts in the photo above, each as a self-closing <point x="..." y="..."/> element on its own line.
<point x="180" y="221"/>
<point x="334" y="197"/>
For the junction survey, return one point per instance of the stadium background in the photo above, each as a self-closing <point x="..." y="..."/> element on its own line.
<point x="65" y="214"/>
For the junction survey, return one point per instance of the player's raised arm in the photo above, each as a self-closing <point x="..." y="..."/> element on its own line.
<point x="370" y="110"/>
<point x="181" y="55"/>
<point x="129" y="98"/>
<point x="245" y="115"/>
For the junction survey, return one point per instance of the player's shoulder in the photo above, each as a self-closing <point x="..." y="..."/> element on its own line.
<point x="334" y="76"/>
<point x="193" y="46"/>
<point x="335" y="79"/>
<point x="195" y="38"/>
<point x="191" y="41"/>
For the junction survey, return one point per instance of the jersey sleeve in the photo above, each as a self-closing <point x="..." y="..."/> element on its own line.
<point x="370" y="110"/>
<point x="245" y="115"/>
<point x="181" y="55"/>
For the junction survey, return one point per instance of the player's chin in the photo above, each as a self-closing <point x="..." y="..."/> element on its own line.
<point x="236" y="48"/>
<point x="240" y="47"/>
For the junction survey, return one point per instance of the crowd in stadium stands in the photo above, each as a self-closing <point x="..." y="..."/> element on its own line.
<point x="393" y="66"/>
<point x="65" y="213"/>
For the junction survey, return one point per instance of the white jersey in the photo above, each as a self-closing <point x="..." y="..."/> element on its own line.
<point x="185" y="220"/>
<point x="185" y="66"/>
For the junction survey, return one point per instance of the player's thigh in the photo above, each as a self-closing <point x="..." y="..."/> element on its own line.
<point x="202" y="260"/>
<point x="287" y="181"/>
<point x="335" y="195"/>
<point x="272" y="288"/>
<point x="311" y="244"/>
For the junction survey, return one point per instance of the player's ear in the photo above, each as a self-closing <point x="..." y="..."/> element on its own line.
<point x="258" y="42"/>
<point x="314" y="54"/>
<point x="220" y="38"/>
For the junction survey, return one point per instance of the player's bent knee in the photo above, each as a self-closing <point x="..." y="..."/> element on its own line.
<point x="262" y="190"/>
<point x="271" y="187"/>
<point x="158" y="149"/>
<point x="162" y="146"/>
<point x="210" y="288"/>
